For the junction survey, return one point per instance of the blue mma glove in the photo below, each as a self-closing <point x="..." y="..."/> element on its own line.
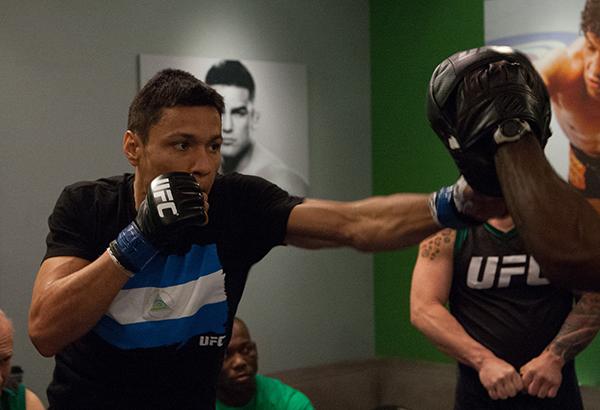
<point x="448" y="206"/>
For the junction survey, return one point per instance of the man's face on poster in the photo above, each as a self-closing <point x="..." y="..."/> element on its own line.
<point x="591" y="64"/>
<point x="238" y="119"/>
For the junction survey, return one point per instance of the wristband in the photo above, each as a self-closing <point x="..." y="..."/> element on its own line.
<point x="131" y="249"/>
<point x="128" y="273"/>
<point x="444" y="211"/>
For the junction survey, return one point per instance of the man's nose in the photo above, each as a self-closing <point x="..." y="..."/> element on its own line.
<point x="239" y="362"/>
<point x="202" y="164"/>
<point x="227" y="122"/>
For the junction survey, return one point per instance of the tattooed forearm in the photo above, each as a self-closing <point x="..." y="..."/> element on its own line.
<point x="579" y="329"/>
<point x="431" y="247"/>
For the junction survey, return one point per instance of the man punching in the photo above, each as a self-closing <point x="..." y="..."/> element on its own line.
<point x="144" y="272"/>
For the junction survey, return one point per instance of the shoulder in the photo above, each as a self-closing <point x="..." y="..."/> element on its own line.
<point x="562" y="67"/>
<point x="440" y="242"/>
<point x="102" y="189"/>
<point x="242" y="185"/>
<point x="285" y="178"/>
<point x="283" y="393"/>
<point x="108" y="184"/>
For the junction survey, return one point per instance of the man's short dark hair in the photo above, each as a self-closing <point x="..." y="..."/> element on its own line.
<point x="169" y="88"/>
<point x="590" y="17"/>
<point x="231" y="72"/>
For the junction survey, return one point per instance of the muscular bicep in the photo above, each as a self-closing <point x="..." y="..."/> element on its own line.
<point x="432" y="274"/>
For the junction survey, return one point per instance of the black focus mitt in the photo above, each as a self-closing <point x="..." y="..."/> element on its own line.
<point x="483" y="97"/>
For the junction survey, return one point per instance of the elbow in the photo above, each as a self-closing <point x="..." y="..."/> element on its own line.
<point x="42" y="346"/>
<point x="360" y="242"/>
<point x="416" y="316"/>
<point x="40" y="339"/>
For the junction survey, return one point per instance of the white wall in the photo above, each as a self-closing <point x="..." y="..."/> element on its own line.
<point x="68" y="71"/>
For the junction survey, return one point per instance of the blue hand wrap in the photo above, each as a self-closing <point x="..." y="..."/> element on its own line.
<point x="444" y="211"/>
<point x="132" y="249"/>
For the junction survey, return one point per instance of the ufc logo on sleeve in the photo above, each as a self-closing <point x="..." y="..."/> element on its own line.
<point x="484" y="272"/>
<point x="162" y="192"/>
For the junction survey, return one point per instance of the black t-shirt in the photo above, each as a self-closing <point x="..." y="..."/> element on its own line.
<point x="161" y="343"/>
<point x="503" y="301"/>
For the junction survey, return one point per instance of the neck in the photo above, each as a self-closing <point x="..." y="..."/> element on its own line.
<point x="237" y="162"/>
<point x="139" y="190"/>
<point x="503" y="224"/>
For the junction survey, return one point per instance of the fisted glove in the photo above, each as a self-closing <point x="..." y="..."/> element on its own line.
<point x="168" y="219"/>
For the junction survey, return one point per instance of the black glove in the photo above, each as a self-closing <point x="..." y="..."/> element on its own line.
<point x="471" y="94"/>
<point x="168" y="220"/>
<point x="172" y="212"/>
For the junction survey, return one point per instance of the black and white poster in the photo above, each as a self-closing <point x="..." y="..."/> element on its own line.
<point x="265" y="123"/>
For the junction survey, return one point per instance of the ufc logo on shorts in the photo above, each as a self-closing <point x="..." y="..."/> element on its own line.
<point x="211" y="340"/>
<point x="483" y="271"/>
<point x="162" y="191"/>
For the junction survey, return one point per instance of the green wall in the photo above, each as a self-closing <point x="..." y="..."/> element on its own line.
<point x="408" y="40"/>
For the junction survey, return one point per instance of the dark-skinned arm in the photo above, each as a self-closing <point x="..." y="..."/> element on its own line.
<point x="559" y="227"/>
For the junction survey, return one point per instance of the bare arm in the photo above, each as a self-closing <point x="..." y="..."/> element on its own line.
<point x="431" y="283"/>
<point x="70" y="295"/>
<point x="542" y="375"/>
<point x="379" y="223"/>
<point x="550" y="215"/>
<point x="579" y="329"/>
<point x="372" y="224"/>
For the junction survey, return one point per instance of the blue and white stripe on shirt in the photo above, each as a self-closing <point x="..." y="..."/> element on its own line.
<point x="173" y="299"/>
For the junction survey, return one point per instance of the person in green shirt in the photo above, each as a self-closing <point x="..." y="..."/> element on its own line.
<point x="16" y="397"/>
<point x="239" y="386"/>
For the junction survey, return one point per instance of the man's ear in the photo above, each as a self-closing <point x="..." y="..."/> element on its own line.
<point x="132" y="145"/>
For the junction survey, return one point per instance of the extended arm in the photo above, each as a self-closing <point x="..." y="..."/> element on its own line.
<point x="378" y="223"/>
<point x="432" y="278"/>
<point x="386" y="222"/>
<point x="550" y="215"/>
<point x="542" y="375"/>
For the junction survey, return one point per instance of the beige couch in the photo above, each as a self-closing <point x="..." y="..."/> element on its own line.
<point x="367" y="384"/>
